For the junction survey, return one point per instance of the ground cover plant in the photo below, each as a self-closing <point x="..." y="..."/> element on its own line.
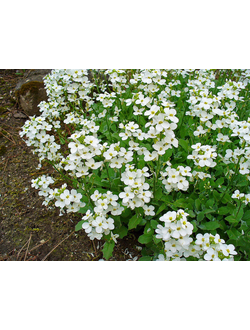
<point x="165" y="153"/>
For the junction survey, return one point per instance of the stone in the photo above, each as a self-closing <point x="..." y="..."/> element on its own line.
<point x="19" y="114"/>
<point x="30" y="91"/>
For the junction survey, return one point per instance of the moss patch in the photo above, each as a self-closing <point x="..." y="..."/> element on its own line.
<point x="32" y="86"/>
<point x="3" y="150"/>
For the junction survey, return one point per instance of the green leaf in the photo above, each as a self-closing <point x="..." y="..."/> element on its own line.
<point x="78" y="226"/>
<point x="191" y="213"/>
<point x="223" y="210"/>
<point x="183" y="144"/>
<point x="216" y="195"/>
<point x="236" y="216"/>
<point x="181" y="203"/>
<point x="134" y="222"/>
<point x="210" y="203"/>
<point x="200" y="216"/>
<point x="227" y="198"/>
<point x="145" y="238"/>
<point x="158" y="194"/>
<point x="233" y="233"/>
<point x="197" y="204"/>
<point x="246" y="217"/>
<point x="211" y="225"/>
<point x="122" y="231"/>
<point x="207" y="211"/>
<point x="154" y="223"/>
<point x="146" y="258"/>
<point x="219" y="182"/>
<point x="161" y="208"/>
<point x="167" y="154"/>
<point x="108" y="249"/>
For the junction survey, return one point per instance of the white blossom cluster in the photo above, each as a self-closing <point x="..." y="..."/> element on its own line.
<point x="136" y="192"/>
<point x="175" y="179"/>
<point x="219" y="112"/>
<point x="69" y="201"/>
<point x="203" y="155"/>
<point x="139" y="129"/>
<point x="179" y="245"/>
<point x="241" y="196"/>
<point x="98" y="223"/>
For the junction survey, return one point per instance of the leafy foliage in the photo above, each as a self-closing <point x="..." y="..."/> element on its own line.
<point x="163" y="152"/>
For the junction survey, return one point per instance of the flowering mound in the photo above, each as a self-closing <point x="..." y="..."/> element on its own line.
<point x="166" y="152"/>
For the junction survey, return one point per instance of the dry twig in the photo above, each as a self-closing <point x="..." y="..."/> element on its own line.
<point x="57" y="246"/>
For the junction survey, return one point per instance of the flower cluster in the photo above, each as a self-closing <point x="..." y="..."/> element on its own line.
<point x="215" y="248"/>
<point x="176" y="234"/>
<point x="245" y="198"/>
<point x="99" y="223"/>
<point x="131" y="143"/>
<point x="176" y="178"/>
<point x="69" y="201"/>
<point x="136" y="192"/>
<point x="179" y="245"/>
<point x="203" y="155"/>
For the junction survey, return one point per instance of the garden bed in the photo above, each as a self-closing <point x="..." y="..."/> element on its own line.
<point x="159" y="157"/>
<point x="29" y="230"/>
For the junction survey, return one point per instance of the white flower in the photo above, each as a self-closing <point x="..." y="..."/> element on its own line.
<point x="110" y="223"/>
<point x="160" y="147"/>
<point x="114" y="237"/>
<point x="95" y="196"/>
<point x="131" y="126"/>
<point x="163" y="232"/>
<point x="66" y="197"/>
<point x="100" y="224"/>
<point x="87" y="226"/>
<point x="101" y="205"/>
<point x="141" y="100"/>
<point x="228" y="249"/>
<point x="126" y="195"/>
<point x="237" y="194"/>
<point x="92" y="164"/>
<point x="109" y="154"/>
<point x="149" y="210"/>
<point x="148" y="156"/>
<point x="177" y="230"/>
<point x="152" y="111"/>
<point x="128" y="178"/>
<point x="211" y="255"/>
<point x="168" y="217"/>
<point x="76" y="196"/>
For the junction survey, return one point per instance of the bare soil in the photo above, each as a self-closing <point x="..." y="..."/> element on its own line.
<point x="28" y="230"/>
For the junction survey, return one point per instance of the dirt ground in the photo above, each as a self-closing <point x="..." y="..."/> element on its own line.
<point x="28" y="230"/>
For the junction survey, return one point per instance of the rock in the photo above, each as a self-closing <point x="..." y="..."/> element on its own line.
<point x="30" y="91"/>
<point x="19" y="114"/>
